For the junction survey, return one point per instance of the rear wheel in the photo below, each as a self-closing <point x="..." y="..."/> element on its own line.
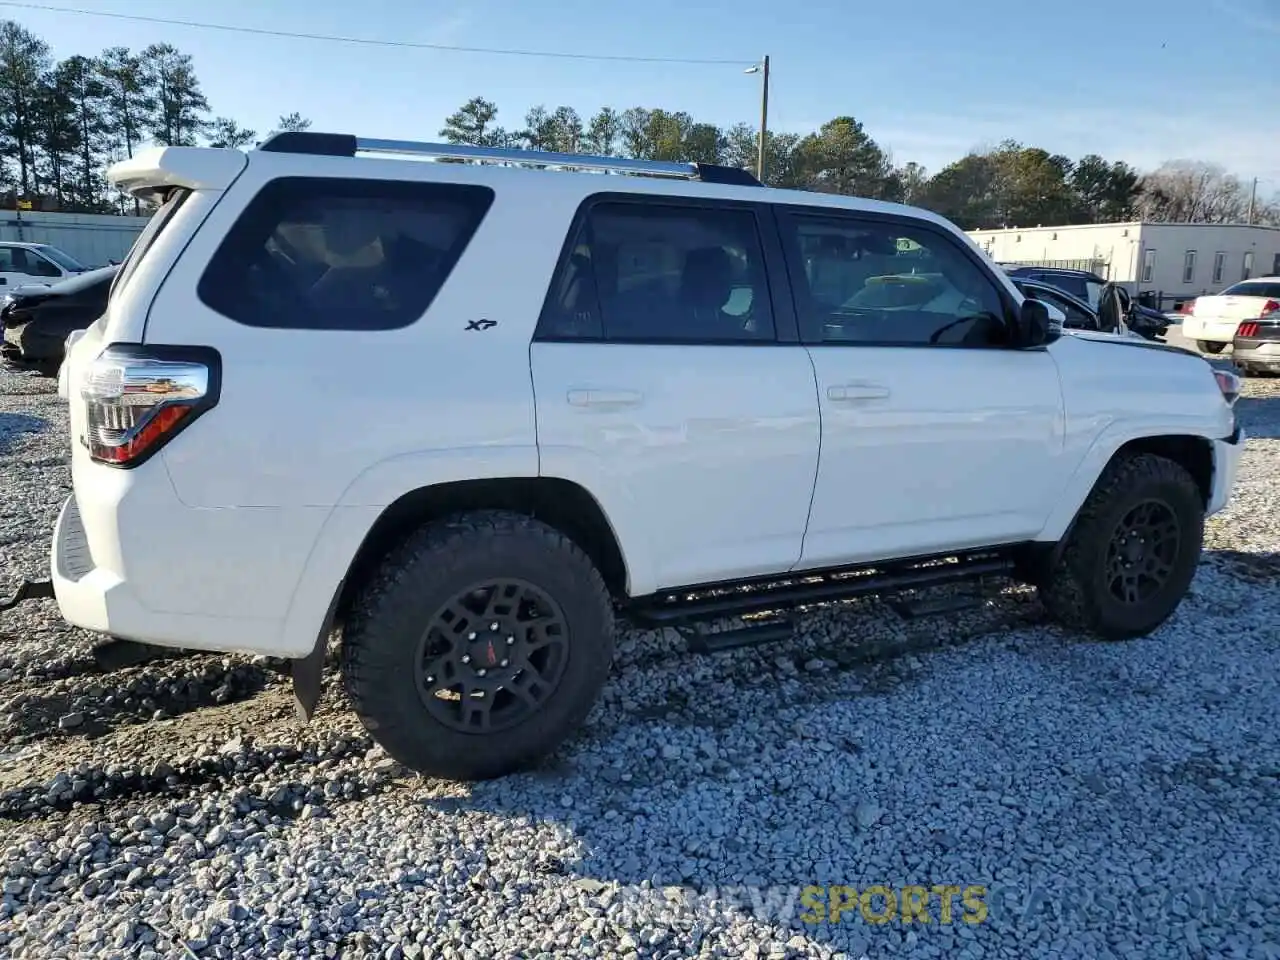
<point x="1210" y="346"/>
<point x="1129" y="558"/>
<point x="479" y="646"/>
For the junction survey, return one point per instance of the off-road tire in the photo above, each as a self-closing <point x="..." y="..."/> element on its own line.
<point x="1210" y="346"/>
<point x="1075" y="591"/>
<point x="380" y="662"/>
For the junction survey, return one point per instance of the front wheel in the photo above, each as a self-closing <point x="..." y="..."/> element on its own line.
<point x="1129" y="558"/>
<point x="479" y="646"/>
<point x="1210" y="346"/>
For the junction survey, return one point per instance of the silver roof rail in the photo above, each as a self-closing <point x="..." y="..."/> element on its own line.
<point x="542" y="158"/>
<point x="345" y="145"/>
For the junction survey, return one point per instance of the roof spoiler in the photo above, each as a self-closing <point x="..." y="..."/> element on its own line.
<point x="159" y="169"/>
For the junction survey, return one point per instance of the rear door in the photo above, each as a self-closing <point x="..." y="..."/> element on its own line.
<point x="669" y="382"/>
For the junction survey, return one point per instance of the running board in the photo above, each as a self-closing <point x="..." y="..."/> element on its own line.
<point x="706" y="641"/>
<point x="715" y="601"/>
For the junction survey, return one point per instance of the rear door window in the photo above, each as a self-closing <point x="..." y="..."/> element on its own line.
<point x="341" y="254"/>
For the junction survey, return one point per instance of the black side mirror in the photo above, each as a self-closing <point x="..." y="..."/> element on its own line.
<point x="1035" y="328"/>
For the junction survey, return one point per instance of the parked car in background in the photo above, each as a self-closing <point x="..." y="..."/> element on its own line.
<point x="36" y="320"/>
<point x="1256" y="345"/>
<point x="1213" y="320"/>
<point x="1149" y="323"/>
<point x="35" y="263"/>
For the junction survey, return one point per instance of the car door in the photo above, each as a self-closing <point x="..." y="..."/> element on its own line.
<point x="10" y="277"/>
<point x="936" y="436"/>
<point x="670" y="383"/>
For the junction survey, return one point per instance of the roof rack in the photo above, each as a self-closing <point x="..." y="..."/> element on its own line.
<point x="346" y="145"/>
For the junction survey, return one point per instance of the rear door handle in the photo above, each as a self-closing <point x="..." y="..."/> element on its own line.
<point x="605" y="398"/>
<point x="847" y="392"/>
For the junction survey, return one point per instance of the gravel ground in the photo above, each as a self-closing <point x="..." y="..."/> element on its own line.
<point x="1107" y="800"/>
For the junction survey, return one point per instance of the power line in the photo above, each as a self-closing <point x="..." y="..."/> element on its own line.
<point x="365" y="41"/>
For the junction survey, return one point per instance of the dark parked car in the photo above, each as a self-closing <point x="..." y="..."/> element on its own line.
<point x="1256" y="346"/>
<point x="1091" y="288"/>
<point x="37" y="320"/>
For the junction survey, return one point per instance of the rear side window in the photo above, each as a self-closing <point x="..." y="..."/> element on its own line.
<point x="336" y="254"/>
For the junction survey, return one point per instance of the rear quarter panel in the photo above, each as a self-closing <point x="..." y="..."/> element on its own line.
<point x="1118" y="391"/>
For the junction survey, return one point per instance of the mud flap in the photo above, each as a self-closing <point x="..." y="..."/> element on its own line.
<point x="29" y="590"/>
<point x="308" y="671"/>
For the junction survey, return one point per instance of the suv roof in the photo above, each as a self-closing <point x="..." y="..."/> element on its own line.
<point x="155" y="171"/>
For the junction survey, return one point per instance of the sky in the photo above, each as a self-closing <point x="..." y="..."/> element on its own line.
<point x="1137" y="80"/>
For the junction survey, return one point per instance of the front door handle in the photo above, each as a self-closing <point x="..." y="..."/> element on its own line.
<point x="857" y="391"/>
<point x="604" y="398"/>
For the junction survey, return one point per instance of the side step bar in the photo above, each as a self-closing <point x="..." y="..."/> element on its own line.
<point x="714" y="601"/>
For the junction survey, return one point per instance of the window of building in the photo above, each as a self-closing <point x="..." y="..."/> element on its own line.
<point x="1219" y="266"/>
<point x="889" y="283"/>
<point x="1189" y="266"/>
<point x="1247" y="270"/>
<point x="1148" y="265"/>
<point x="338" y="254"/>
<point x="662" y="273"/>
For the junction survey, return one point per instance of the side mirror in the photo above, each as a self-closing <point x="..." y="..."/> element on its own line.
<point x="1036" y="327"/>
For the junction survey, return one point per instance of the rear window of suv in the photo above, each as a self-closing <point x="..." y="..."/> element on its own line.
<point x="339" y="254"/>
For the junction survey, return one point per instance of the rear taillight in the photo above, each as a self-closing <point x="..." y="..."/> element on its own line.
<point x="1229" y="384"/>
<point x="1247" y="329"/>
<point x="138" y="398"/>
<point x="1271" y="306"/>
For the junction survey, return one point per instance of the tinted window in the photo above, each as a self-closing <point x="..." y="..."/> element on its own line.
<point x="333" y="254"/>
<point x="662" y="273"/>
<point x="159" y="220"/>
<point x="1076" y="286"/>
<point x="873" y="282"/>
<point x="61" y="258"/>
<point x="38" y="266"/>
<point x="1256" y="288"/>
<point x="1076" y="317"/>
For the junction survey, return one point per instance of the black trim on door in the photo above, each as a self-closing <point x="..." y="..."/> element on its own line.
<point x="787" y="214"/>
<point x="781" y="302"/>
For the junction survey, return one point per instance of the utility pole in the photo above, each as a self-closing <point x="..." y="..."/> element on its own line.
<point x="1253" y="197"/>
<point x="762" y="68"/>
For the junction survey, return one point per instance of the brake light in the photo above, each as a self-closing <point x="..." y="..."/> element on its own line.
<point x="139" y="398"/>
<point x="1271" y="306"/>
<point x="1229" y="384"/>
<point x="1247" y="329"/>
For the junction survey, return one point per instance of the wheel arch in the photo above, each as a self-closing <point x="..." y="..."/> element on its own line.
<point x="562" y="504"/>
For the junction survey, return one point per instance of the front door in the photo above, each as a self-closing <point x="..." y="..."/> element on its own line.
<point x="935" y="435"/>
<point x="670" y="384"/>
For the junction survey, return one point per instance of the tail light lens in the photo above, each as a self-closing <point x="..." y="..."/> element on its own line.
<point x="1271" y="306"/>
<point x="1247" y="329"/>
<point x="1189" y="308"/>
<point x="1229" y="384"/>
<point x="138" y="398"/>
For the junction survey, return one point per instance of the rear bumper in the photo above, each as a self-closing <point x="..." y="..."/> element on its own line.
<point x="1256" y="353"/>
<point x="1207" y="328"/>
<point x="129" y="559"/>
<point x="1226" y="464"/>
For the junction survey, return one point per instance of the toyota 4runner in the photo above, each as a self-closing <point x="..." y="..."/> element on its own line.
<point x="463" y="405"/>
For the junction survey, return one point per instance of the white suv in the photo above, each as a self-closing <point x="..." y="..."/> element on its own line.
<point x="465" y="410"/>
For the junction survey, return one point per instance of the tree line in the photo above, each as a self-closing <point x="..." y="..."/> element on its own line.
<point x="63" y="122"/>
<point x="1010" y="184"/>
